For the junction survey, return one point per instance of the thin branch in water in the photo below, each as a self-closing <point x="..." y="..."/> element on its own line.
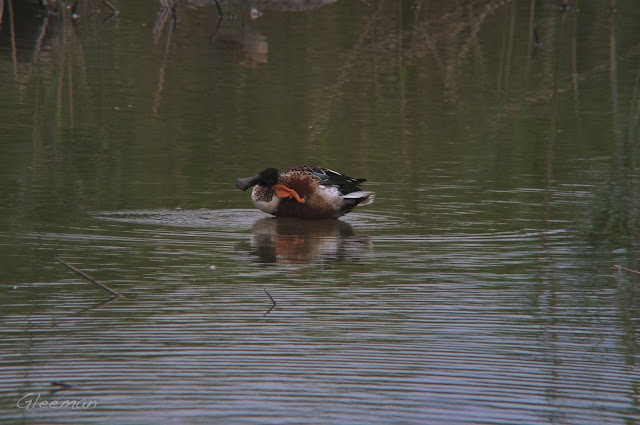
<point x="270" y="297"/>
<point x="111" y="6"/>
<point x="537" y="43"/>
<point x="535" y="36"/>
<point x="90" y="279"/>
<point x="220" y="19"/>
<point x="94" y="8"/>
<point x="60" y="386"/>
<point x="174" y="14"/>
<point x="565" y="6"/>
<point x="272" y="300"/>
<point x="39" y="41"/>
<point x="74" y="10"/>
<point x="626" y="269"/>
<point x="114" y="11"/>
<point x="158" y="27"/>
<point x="96" y="306"/>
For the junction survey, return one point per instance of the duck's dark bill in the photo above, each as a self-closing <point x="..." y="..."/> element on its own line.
<point x="246" y="182"/>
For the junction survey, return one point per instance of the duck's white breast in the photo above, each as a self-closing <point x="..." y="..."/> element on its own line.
<point x="267" y="206"/>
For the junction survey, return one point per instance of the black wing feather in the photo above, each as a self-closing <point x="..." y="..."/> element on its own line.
<point x="329" y="177"/>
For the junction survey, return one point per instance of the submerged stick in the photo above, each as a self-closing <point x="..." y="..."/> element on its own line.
<point x="61" y="385"/>
<point x="272" y="300"/>
<point x="535" y="36"/>
<point x="270" y="297"/>
<point x="90" y="279"/>
<point x="114" y="12"/>
<point x="626" y="269"/>
<point x="220" y="14"/>
<point x="220" y="19"/>
<point x="111" y="6"/>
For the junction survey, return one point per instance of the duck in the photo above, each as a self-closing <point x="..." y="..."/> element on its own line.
<point x="305" y="191"/>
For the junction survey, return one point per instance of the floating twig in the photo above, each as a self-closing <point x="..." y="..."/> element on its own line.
<point x="61" y="386"/>
<point x="90" y="279"/>
<point x="626" y="269"/>
<point x="272" y="300"/>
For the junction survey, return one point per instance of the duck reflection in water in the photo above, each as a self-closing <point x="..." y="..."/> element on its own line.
<point x="284" y="240"/>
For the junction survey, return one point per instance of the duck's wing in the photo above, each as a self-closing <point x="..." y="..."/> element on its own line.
<point x="330" y="177"/>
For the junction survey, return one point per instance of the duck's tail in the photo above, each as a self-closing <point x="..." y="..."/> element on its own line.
<point x="363" y="197"/>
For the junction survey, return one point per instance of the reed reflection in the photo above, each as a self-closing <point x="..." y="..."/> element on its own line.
<point x="237" y="37"/>
<point x="296" y="241"/>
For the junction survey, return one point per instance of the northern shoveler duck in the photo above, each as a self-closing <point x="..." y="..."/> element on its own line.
<point x="305" y="192"/>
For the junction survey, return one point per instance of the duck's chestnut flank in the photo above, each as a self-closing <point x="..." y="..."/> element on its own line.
<point x="305" y="192"/>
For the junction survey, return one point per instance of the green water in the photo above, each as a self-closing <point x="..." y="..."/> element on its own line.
<point x="478" y="288"/>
